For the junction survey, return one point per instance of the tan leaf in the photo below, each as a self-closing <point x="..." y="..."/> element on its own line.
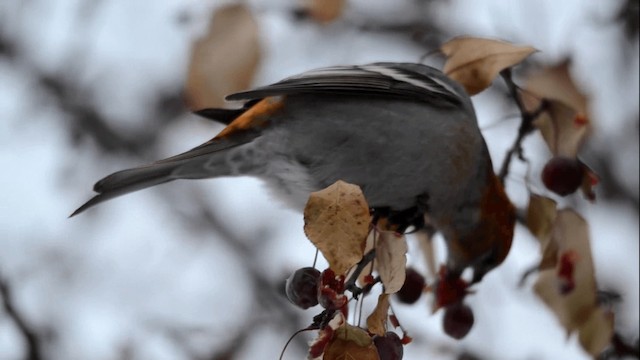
<point x="371" y="266"/>
<point x="391" y="260"/>
<point x="336" y="220"/>
<point x="563" y="128"/>
<point x="589" y="181"/>
<point x="324" y="11"/>
<point x="428" y="252"/>
<point x="575" y="306"/>
<point x="377" y="321"/>
<point x="541" y="216"/>
<point x="555" y="83"/>
<point x="351" y="343"/>
<point x="224" y="61"/>
<point x="596" y="333"/>
<point x="475" y="62"/>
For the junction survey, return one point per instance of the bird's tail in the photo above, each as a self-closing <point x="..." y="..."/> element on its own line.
<point x="205" y="161"/>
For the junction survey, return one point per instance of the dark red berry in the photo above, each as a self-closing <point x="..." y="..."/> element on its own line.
<point x="412" y="288"/>
<point x="302" y="287"/>
<point x="563" y="175"/>
<point x="389" y="346"/>
<point x="458" y="320"/>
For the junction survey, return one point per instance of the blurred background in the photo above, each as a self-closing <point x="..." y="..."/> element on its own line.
<point x="196" y="270"/>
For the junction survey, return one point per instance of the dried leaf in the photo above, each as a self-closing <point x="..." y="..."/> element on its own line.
<point x="428" y="252"/>
<point x="589" y="181"/>
<point x="371" y="266"/>
<point x="325" y="335"/>
<point x="563" y="128"/>
<point x="324" y="11"/>
<point x="541" y="216"/>
<point x="336" y="220"/>
<point x="475" y="62"/>
<point x="377" y="321"/>
<point x="391" y="260"/>
<point x="555" y="83"/>
<point x="596" y="333"/>
<point x="224" y="61"/>
<point x="350" y="343"/>
<point x="575" y="305"/>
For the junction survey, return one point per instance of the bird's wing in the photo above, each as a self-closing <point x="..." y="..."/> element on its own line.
<point x="398" y="80"/>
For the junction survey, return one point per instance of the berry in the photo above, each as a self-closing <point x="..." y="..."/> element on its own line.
<point x="412" y="288"/>
<point x="389" y="346"/>
<point x="458" y="320"/>
<point x="302" y="287"/>
<point x="563" y="175"/>
<point x="331" y="291"/>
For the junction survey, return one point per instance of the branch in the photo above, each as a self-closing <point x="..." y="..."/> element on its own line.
<point x="31" y="337"/>
<point x="526" y="125"/>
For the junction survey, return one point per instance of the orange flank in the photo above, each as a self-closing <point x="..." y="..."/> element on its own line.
<point x="491" y="241"/>
<point x="256" y="117"/>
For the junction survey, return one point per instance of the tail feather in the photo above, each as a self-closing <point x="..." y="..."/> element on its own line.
<point x="126" y="181"/>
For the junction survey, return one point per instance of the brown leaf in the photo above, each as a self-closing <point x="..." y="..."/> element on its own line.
<point x="224" y="61"/>
<point x="596" y="333"/>
<point x="541" y="216"/>
<point x="351" y="343"/>
<point x="336" y="220"/>
<point x="428" y="252"/>
<point x="563" y="128"/>
<point x="377" y="321"/>
<point x="475" y="62"/>
<point x="371" y="266"/>
<point x="575" y="306"/>
<point x="555" y="83"/>
<point x="324" y="11"/>
<point x="589" y="181"/>
<point x="391" y="260"/>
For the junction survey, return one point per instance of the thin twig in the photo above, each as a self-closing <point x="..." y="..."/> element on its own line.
<point x="31" y="337"/>
<point x="526" y="125"/>
<point x="350" y="284"/>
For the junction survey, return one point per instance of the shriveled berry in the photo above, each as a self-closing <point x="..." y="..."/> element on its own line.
<point x="412" y="288"/>
<point x="458" y="320"/>
<point x="389" y="346"/>
<point x="563" y="175"/>
<point x="302" y="287"/>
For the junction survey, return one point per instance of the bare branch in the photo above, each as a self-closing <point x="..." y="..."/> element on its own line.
<point x="31" y="336"/>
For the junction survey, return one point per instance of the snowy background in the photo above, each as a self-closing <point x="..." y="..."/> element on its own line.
<point x="195" y="270"/>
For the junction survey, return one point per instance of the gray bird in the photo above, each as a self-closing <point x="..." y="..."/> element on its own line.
<point x="405" y="133"/>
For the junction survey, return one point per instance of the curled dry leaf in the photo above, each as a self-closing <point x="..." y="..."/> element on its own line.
<point x="325" y="335"/>
<point x="351" y="342"/>
<point x="224" y="61"/>
<point x="589" y="181"/>
<point x="563" y="128"/>
<point x="336" y="220"/>
<point x="576" y="308"/>
<point x="596" y="332"/>
<point x="377" y="321"/>
<point x="541" y="216"/>
<point x="475" y="62"/>
<point x="371" y="266"/>
<point x="555" y="83"/>
<point x="428" y="252"/>
<point x="391" y="260"/>
<point x="324" y="11"/>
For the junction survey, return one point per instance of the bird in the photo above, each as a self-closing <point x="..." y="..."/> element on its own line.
<point x="404" y="132"/>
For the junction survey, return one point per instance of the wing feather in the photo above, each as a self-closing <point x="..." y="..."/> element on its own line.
<point x="399" y="80"/>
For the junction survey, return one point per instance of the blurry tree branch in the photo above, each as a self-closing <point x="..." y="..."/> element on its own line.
<point x="31" y="337"/>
